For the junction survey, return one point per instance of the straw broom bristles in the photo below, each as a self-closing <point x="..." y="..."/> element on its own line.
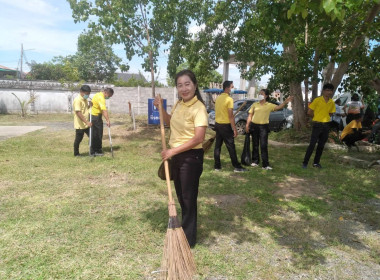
<point x="177" y="260"/>
<point x="208" y="144"/>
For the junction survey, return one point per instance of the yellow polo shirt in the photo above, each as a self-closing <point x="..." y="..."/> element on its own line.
<point x="261" y="112"/>
<point x="349" y="129"/>
<point x="80" y="105"/>
<point x="185" y="118"/>
<point x="322" y="109"/>
<point x="222" y="103"/>
<point x="98" y="104"/>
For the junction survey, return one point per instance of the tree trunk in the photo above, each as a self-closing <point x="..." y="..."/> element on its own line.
<point x="299" y="116"/>
<point x="314" y="78"/>
<point x="306" y="83"/>
<point x="153" y="83"/>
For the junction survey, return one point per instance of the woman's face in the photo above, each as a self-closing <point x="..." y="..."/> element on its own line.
<point x="186" y="88"/>
<point x="263" y="94"/>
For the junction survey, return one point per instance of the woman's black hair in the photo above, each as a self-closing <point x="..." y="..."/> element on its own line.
<point x="355" y="97"/>
<point x="192" y="77"/>
<point x="267" y="93"/>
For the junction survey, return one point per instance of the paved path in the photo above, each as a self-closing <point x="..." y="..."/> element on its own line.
<point x="14" y="131"/>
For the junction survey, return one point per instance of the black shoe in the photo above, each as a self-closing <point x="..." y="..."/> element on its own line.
<point x="98" y="154"/>
<point x="317" y="165"/>
<point x="304" y="165"/>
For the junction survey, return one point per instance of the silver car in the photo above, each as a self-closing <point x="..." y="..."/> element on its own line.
<point x="278" y="120"/>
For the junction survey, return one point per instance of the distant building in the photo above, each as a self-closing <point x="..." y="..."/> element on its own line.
<point x="126" y="76"/>
<point x="5" y="71"/>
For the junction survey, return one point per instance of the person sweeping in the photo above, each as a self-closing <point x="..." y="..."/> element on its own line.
<point x="188" y="123"/>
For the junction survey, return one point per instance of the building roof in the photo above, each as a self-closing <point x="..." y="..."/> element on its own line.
<point x="126" y="76"/>
<point x="7" y="69"/>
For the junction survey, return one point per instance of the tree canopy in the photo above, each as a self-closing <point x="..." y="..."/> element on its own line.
<point x="142" y="27"/>
<point x="300" y="42"/>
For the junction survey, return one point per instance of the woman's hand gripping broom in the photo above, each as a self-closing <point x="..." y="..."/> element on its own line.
<point x="177" y="261"/>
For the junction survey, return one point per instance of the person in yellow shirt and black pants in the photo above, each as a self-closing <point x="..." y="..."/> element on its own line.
<point x="81" y="117"/>
<point x="258" y="126"/>
<point x="321" y="109"/>
<point x="188" y="122"/>
<point x="99" y="110"/>
<point x="353" y="131"/>
<point x="225" y="127"/>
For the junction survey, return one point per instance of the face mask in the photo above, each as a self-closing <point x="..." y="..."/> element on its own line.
<point x="107" y="97"/>
<point x="86" y="96"/>
<point x="232" y="91"/>
<point x="261" y="97"/>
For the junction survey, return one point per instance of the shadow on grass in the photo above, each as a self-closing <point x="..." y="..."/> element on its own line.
<point x="240" y="206"/>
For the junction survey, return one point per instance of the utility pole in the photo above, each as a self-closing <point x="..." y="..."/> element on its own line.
<point x="22" y="54"/>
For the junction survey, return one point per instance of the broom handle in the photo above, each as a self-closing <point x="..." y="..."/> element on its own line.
<point x="163" y="142"/>
<point x="90" y="142"/>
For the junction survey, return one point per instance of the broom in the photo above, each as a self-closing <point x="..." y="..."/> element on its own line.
<point x="177" y="261"/>
<point x="90" y="137"/>
<point x="109" y="136"/>
<point x="208" y="144"/>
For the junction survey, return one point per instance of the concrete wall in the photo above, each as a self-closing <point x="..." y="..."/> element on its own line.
<point x="53" y="98"/>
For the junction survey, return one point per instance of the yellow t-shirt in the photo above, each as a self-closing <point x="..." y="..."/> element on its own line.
<point x="98" y="104"/>
<point x="80" y="104"/>
<point x="322" y="109"/>
<point x="222" y="103"/>
<point x="261" y="112"/>
<point x="185" y="118"/>
<point x="349" y="129"/>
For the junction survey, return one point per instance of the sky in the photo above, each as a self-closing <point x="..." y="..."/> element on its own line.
<point x="46" y="29"/>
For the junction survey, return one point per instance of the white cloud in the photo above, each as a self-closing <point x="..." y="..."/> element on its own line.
<point x="35" y="7"/>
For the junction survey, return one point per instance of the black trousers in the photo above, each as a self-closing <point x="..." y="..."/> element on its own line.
<point x="79" y="133"/>
<point x="259" y="134"/>
<point x="224" y="133"/>
<point x="187" y="167"/>
<point x="319" y="134"/>
<point x="334" y="126"/>
<point x="97" y="134"/>
<point x="350" y="139"/>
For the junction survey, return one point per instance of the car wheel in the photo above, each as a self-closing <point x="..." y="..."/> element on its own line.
<point x="240" y="127"/>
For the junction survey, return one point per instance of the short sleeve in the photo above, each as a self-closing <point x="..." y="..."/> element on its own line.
<point x="76" y="105"/>
<point x="313" y="105"/>
<point x="102" y="105"/>
<point x="201" y="117"/>
<point x="230" y="103"/>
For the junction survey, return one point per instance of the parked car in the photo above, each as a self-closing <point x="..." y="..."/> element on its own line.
<point x="278" y="120"/>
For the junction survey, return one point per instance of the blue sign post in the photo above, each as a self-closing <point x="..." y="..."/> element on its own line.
<point x="153" y="113"/>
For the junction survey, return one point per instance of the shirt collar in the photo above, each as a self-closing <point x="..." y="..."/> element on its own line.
<point x="190" y="102"/>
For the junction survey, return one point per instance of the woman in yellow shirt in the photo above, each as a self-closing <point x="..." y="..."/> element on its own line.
<point x="188" y="123"/>
<point x="258" y="126"/>
<point x="353" y="131"/>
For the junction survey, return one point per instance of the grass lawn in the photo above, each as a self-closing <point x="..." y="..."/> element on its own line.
<point x="63" y="217"/>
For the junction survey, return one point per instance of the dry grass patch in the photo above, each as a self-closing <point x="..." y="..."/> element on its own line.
<point x="296" y="187"/>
